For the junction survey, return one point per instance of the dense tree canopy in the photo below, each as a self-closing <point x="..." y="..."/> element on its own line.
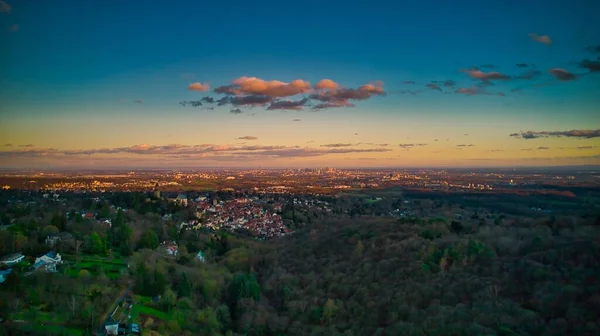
<point x="438" y="266"/>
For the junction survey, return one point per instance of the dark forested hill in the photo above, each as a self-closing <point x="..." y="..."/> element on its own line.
<point x="380" y="277"/>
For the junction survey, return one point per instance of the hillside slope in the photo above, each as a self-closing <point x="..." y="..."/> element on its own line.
<point x="381" y="277"/>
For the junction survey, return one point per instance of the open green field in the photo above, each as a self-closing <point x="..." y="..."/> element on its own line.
<point x="111" y="266"/>
<point x="39" y="317"/>
<point x="115" y="258"/>
<point x="139" y="309"/>
<point x="45" y="321"/>
<point x="142" y="299"/>
<point x="54" y="329"/>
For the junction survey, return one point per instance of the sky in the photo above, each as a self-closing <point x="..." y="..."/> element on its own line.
<point x="148" y="84"/>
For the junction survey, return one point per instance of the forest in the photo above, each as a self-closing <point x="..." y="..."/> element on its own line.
<point x="343" y="274"/>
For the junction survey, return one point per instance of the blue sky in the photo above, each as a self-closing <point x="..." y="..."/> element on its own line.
<point x="72" y="63"/>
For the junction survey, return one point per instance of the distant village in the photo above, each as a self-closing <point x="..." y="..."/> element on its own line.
<point x="248" y="213"/>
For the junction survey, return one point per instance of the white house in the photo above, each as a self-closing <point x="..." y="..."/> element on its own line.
<point x="13" y="259"/>
<point x="112" y="329"/>
<point x="48" y="261"/>
<point x="50" y="258"/>
<point x="171" y="248"/>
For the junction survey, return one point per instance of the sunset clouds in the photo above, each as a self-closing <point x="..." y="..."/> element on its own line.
<point x="256" y="86"/>
<point x="347" y="81"/>
<point x="470" y="91"/>
<point x="206" y="151"/>
<point x="341" y="97"/>
<point x="198" y="87"/>
<point x="544" y="39"/>
<point x="277" y="95"/>
<point x="485" y="76"/>
<point x="327" y="84"/>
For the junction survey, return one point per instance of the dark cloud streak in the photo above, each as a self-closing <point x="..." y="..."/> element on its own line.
<point x="592" y="66"/>
<point x="562" y="74"/>
<point x="411" y="145"/>
<point x="582" y="134"/>
<point x="288" y="104"/>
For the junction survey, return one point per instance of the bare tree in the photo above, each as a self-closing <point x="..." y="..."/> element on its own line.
<point x="77" y="246"/>
<point x="73" y="304"/>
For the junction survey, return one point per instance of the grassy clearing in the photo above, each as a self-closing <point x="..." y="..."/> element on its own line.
<point x="143" y="300"/>
<point x="39" y="316"/>
<point x="114" y="258"/>
<point x="139" y="309"/>
<point x="46" y="329"/>
<point x="113" y="275"/>
<point x="59" y="330"/>
<point x="111" y="266"/>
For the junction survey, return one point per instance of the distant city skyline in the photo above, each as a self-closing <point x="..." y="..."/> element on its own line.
<point x="142" y="85"/>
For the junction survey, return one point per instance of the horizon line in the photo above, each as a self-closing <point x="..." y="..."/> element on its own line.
<point x="148" y="169"/>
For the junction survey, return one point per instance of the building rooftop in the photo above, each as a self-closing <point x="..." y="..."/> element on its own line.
<point x="13" y="256"/>
<point x="38" y="264"/>
<point x="6" y="271"/>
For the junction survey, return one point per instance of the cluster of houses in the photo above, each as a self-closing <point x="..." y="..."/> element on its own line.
<point x="46" y="262"/>
<point x="170" y="249"/>
<point x="241" y="213"/>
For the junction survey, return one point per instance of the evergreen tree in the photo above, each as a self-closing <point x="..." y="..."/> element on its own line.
<point x="160" y="282"/>
<point x="149" y="240"/>
<point x="184" y="289"/>
<point x="97" y="244"/>
<point x="224" y="317"/>
<point x="119" y="219"/>
<point x="142" y="281"/>
<point x="104" y="211"/>
<point x="59" y="221"/>
<point x="126" y="250"/>
<point x="243" y="286"/>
